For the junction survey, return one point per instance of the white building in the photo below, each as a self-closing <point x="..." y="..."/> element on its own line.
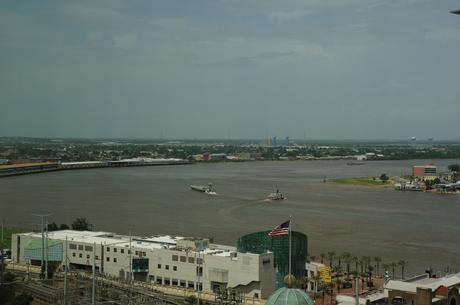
<point x="312" y="269"/>
<point x="164" y="260"/>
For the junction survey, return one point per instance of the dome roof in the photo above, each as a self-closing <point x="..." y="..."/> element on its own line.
<point x="288" y="296"/>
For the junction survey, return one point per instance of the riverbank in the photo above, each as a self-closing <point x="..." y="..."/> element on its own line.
<point x="363" y="181"/>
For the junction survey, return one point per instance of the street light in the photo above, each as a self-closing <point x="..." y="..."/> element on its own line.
<point x="457" y="12"/>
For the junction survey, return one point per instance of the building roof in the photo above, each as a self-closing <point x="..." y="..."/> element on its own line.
<point x="136" y="242"/>
<point x="430" y="283"/>
<point x="289" y="296"/>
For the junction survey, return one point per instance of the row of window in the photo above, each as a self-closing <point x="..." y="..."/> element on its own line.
<point x="184" y="259"/>
<point x="80" y="247"/>
<point x="167" y="267"/>
<point x="114" y="250"/>
<point x="175" y="282"/>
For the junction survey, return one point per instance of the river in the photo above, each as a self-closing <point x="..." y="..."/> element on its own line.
<point x="421" y="228"/>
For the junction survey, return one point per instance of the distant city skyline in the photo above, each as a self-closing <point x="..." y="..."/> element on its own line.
<point x="230" y="69"/>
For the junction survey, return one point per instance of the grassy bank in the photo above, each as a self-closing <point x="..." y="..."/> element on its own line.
<point x="7" y="232"/>
<point x="365" y="181"/>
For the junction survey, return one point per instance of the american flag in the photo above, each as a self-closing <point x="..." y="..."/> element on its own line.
<point x="281" y="230"/>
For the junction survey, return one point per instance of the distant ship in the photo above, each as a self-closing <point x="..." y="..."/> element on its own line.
<point x="208" y="189"/>
<point x="276" y="196"/>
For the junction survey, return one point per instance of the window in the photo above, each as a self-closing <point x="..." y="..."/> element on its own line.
<point x="175" y="282"/>
<point x="199" y="271"/>
<point x="88" y="248"/>
<point x="266" y="261"/>
<point x="167" y="267"/>
<point x="80" y="255"/>
<point x="129" y="251"/>
<point x="175" y="268"/>
<point x="256" y="295"/>
<point x="191" y="260"/>
<point x="80" y="247"/>
<point x="97" y="257"/>
<point x="114" y="259"/>
<point x="122" y="251"/>
<point x="87" y="256"/>
<point x="183" y="259"/>
<point x="167" y="281"/>
<point x="73" y="254"/>
<point x="191" y="284"/>
<point x="199" y="261"/>
<point x="175" y="258"/>
<point x="182" y="283"/>
<point x="159" y="266"/>
<point x="115" y="250"/>
<point x="107" y="259"/>
<point x="159" y="280"/>
<point x="73" y="246"/>
<point x="143" y="253"/>
<point x="108" y="249"/>
<point x="136" y="253"/>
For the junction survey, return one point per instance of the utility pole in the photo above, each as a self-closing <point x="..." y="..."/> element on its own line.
<point x="42" y="269"/>
<point x="131" y="280"/>
<point x="46" y="249"/>
<point x="65" y="272"/>
<point x="94" y="276"/>
<point x="1" y="256"/>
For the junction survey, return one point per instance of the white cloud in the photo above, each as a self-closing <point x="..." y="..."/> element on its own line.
<point x="124" y="41"/>
<point x="281" y="17"/>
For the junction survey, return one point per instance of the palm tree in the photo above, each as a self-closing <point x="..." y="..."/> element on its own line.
<point x="322" y="255"/>
<point x="361" y="264"/>
<point x="377" y="261"/>
<point x="355" y="260"/>
<point x="331" y="255"/>
<point x="348" y="261"/>
<point x="393" y="266"/>
<point x="344" y="256"/>
<point x="403" y="264"/>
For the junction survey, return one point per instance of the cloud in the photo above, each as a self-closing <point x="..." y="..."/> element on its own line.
<point x="282" y="17"/>
<point x="124" y="41"/>
<point x="443" y="33"/>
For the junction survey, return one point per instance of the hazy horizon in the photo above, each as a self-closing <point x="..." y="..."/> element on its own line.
<point x="230" y="69"/>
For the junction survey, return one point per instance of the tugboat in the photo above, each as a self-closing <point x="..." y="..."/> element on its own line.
<point x="208" y="189"/>
<point x="276" y="196"/>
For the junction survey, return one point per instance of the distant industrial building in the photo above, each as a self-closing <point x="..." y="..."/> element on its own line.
<point x="425" y="172"/>
<point x="260" y="242"/>
<point x="188" y="263"/>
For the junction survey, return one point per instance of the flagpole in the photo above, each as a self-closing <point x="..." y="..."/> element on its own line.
<point x="290" y="251"/>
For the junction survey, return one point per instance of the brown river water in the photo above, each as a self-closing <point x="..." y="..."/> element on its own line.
<point x="421" y="228"/>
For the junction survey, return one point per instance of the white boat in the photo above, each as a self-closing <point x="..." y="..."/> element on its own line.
<point x="276" y="196"/>
<point x="208" y="189"/>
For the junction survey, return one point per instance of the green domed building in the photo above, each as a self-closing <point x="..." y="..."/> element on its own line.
<point x="288" y="295"/>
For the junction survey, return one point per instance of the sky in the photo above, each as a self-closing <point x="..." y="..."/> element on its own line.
<point x="308" y="69"/>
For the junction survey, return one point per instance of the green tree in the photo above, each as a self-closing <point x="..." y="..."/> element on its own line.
<point x="454" y="168"/>
<point x="81" y="224"/>
<point x="402" y="264"/>
<point x="63" y="226"/>
<point x="53" y="227"/>
<point x="384" y="177"/>
<point x="322" y="256"/>
<point x="330" y="256"/>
